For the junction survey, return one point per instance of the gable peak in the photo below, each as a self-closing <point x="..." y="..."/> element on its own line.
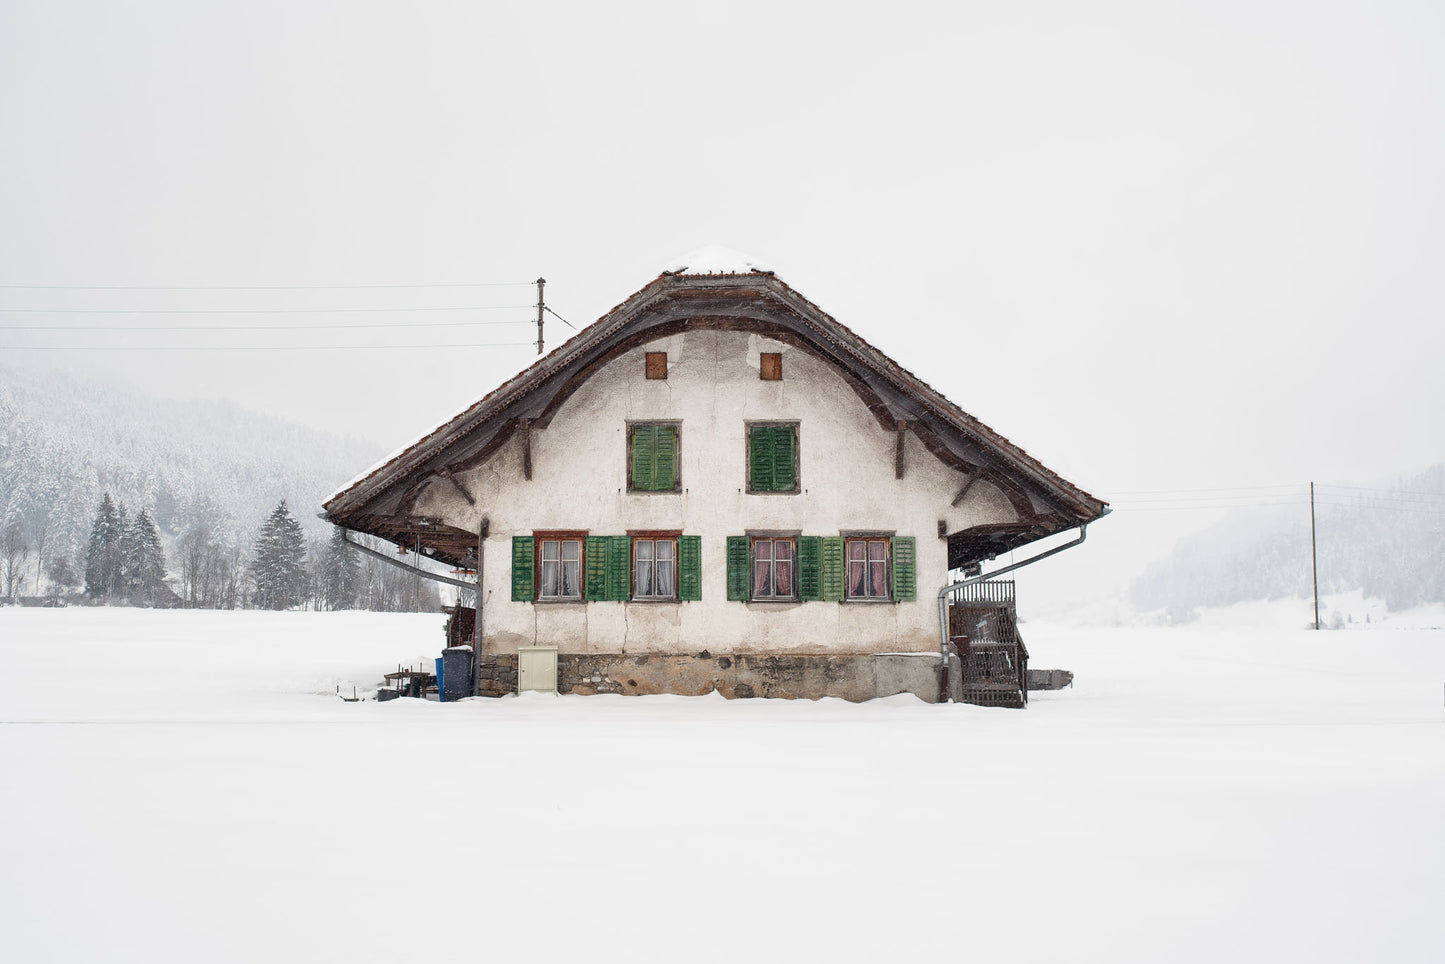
<point x="715" y="259"/>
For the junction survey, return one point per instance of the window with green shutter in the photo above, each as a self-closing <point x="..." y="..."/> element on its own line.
<point x="689" y="556"/>
<point x="619" y="568"/>
<point x="738" y="568"/>
<point x="832" y="568"/>
<point x="523" y="548"/>
<point x="773" y="457"/>
<point x="905" y="569"/>
<point x="597" y="568"/>
<point x="810" y="568"/>
<point x="652" y="457"/>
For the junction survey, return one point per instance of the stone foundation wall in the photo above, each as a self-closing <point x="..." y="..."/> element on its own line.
<point x="497" y="675"/>
<point x="853" y="678"/>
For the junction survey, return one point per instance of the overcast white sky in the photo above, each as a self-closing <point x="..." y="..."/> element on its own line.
<point x="1161" y="246"/>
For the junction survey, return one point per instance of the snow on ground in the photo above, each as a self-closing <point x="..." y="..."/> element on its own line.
<point x="183" y="786"/>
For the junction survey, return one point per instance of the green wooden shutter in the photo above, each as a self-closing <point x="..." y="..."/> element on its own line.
<point x="760" y="458"/>
<point x="905" y="569"/>
<point x="644" y="448"/>
<point x="619" y="568"/>
<point x="596" y="568"/>
<point x="524" y="550"/>
<point x="810" y="568"/>
<point x="738" y="568"/>
<point x="832" y="577"/>
<point x="664" y="466"/>
<point x="785" y="468"/>
<point x="689" y="568"/>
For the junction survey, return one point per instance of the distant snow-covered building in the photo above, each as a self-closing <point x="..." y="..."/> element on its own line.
<point x="717" y="486"/>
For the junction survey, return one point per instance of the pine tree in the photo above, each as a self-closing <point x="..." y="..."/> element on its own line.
<point x="102" y="558"/>
<point x="280" y="566"/>
<point x="144" y="560"/>
<point x="341" y="573"/>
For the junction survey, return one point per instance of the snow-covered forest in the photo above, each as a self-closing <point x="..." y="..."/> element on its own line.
<point x="1384" y="541"/>
<point x="89" y="470"/>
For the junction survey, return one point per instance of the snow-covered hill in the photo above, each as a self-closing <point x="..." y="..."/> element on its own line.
<point x="1385" y="541"/>
<point x="66" y="440"/>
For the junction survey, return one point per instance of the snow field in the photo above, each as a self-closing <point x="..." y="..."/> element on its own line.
<point x="183" y="786"/>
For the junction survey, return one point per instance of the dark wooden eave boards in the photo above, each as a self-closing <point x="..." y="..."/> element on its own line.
<point x="381" y="503"/>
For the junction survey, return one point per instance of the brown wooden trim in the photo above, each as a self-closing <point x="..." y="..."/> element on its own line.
<point x="559" y="535"/>
<point x="654" y="535"/>
<point x="754" y="537"/>
<point x="898" y="450"/>
<point x="527" y="448"/>
<point x="866" y="537"/>
<point x="1023" y="505"/>
<point x="978" y="474"/>
<point x="755" y="303"/>
<point x="457" y="484"/>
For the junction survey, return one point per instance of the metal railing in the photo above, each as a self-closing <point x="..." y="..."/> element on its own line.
<point x="993" y="592"/>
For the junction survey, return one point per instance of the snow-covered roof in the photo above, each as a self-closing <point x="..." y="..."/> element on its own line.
<point x="715" y="259"/>
<point x="737" y="287"/>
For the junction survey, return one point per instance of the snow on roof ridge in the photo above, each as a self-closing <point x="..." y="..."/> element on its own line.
<point x="716" y="259"/>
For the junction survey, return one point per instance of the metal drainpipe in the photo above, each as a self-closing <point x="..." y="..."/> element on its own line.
<point x="482" y="530"/>
<point x="954" y="587"/>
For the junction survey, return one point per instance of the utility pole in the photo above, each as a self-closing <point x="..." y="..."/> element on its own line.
<point x="541" y="307"/>
<point x="1314" y="557"/>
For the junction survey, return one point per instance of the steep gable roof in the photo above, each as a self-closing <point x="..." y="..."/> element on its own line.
<point x="757" y="301"/>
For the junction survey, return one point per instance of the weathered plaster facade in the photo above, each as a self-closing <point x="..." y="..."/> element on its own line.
<point x="878" y="452"/>
<point x="846" y="477"/>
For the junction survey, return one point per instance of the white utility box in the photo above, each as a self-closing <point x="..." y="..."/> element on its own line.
<point x="536" y="669"/>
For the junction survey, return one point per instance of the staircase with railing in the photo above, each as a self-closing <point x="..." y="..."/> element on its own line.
<point x="992" y="660"/>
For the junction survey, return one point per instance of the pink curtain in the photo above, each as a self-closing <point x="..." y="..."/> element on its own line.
<point x="878" y="564"/>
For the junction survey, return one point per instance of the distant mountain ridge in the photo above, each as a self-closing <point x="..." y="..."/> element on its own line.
<point x="65" y="440"/>
<point x="1386" y="541"/>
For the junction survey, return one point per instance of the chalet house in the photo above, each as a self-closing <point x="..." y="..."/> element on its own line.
<point x="718" y="487"/>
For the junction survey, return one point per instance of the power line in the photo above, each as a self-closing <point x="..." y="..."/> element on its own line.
<point x="494" y="344"/>
<point x="1202" y="499"/>
<point x="1366" y="488"/>
<point x="1341" y="499"/>
<point x="125" y="328"/>
<point x="247" y="311"/>
<point x="1419" y="508"/>
<point x="1131" y="508"/>
<point x="1236" y="488"/>
<point x="465" y="284"/>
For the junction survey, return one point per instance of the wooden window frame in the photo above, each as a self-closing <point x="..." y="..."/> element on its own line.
<point x="676" y="425"/>
<point x="771" y="537"/>
<point x="655" y="536"/>
<point x="797" y="456"/>
<point x="655" y="365"/>
<point x="886" y="540"/>
<point x="770" y="366"/>
<point x="559" y="536"/>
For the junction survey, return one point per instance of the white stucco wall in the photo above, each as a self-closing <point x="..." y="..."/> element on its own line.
<point x="846" y="474"/>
